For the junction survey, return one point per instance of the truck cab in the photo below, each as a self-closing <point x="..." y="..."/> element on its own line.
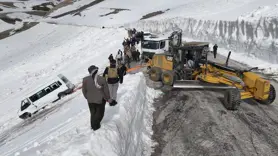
<point x="154" y="45"/>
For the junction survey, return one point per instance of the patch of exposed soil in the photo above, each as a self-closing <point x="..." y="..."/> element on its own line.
<point x="79" y="10"/>
<point x="8" y="4"/>
<point x="37" y="13"/>
<point x="189" y="123"/>
<point x="115" y="11"/>
<point x="152" y="14"/>
<point x="26" y="26"/>
<point x="10" y="20"/>
<point x="43" y="6"/>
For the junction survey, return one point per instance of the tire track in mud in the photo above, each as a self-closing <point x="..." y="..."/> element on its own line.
<point x="262" y="126"/>
<point x="196" y="123"/>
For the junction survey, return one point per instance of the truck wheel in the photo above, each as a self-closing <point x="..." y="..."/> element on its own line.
<point x="232" y="99"/>
<point x="155" y="74"/>
<point x="168" y="78"/>
<point x="61" y="95"/>
<point x="271" y="96"/>
<point x="25" y="115"/>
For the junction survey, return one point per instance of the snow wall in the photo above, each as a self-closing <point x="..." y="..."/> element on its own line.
<point x="258" y="38"/>
<point x="134" y="127"/>
<point x="126" y="128"/>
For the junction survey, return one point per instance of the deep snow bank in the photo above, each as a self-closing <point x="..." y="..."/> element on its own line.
<point x="126" y="128"/>
<point x="258" y="38"/>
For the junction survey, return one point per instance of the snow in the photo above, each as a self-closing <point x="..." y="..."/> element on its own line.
<point x="23" y="16"/>
<point x="252" y="61"/>
<point x="5" y="26"/>
<point x="78" y="49"/>
<point x="34" y="57"/>
<point x="128" y="131"/>
<point x="262" y="11"/>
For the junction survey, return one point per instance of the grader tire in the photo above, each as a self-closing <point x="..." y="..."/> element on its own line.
<point x="168" y="78"/>
<point x="232" y="99"/>
<point x="271" y="97"/>
<point x="155" y="74"/>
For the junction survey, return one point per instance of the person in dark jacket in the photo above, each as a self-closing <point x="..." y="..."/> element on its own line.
<point x="110" y="58"/>
<point x="95" y="90"/>
<point x="127" y="60"/>
<point x="215" y="50"/>
<point x="137" y="55"/>
<point x="122" y="68"/>
<point x="113" y="76"/>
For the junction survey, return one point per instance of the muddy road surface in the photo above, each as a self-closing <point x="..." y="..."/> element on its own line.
<point x="194" y="122"/>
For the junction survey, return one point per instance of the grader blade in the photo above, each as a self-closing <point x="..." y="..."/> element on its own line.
<point x="192" y="84"/>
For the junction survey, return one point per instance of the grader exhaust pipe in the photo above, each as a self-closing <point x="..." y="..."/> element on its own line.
<point x="192" y="84"/>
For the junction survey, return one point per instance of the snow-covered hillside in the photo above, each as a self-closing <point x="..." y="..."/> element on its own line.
<point x="77" y="40"/>
<point x="258" y="38"/>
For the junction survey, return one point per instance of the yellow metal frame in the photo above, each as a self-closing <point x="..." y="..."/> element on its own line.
<point x="252" y="85"/>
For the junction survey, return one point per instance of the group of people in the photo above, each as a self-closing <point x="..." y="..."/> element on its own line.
<point x="101" y="88"/>
<point x="129" y="46"/>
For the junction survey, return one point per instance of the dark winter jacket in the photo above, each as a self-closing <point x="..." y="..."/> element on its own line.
<point x="92" y="93"/>
<point x="113" y="80"/>
<point x="215" y="48"/>
<point x="110" y="58"/>
<point x="122" y="70"/>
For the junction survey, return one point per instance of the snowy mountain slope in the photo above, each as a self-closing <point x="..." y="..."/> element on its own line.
<point x="68" y="50"/>
<point x="259" y="39"/>
<point x="33" y="61"/>
<point x="46" y="50"/>
<point x="269" y="11"/>
<point x="199" y="9"/>
<point x="65" y="130"/>
<point x="5" y="26"/>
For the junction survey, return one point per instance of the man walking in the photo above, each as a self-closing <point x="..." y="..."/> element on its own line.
<point x="96" y="91"/>
<point x="113" y="76"/>
<point x="119" y="57"/>
<point x="215" y="50"/>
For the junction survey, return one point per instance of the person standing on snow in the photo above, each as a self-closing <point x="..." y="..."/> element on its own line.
<point x="215" y="50"/>
<point x="110" y="58"/>
<point x="95" y="90"/>
<point x="113" y="76"/>
<point x="127" y="60"/>
<point x="119" y="57"/>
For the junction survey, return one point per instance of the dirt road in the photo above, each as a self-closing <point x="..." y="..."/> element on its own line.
<point x="190" y="123"/>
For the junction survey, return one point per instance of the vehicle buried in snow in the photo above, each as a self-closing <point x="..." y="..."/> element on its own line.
<point x="59" y="87"/>
<point x="187" y="67"/>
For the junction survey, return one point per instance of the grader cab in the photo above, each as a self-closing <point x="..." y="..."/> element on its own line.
<point x="187" y="66"/>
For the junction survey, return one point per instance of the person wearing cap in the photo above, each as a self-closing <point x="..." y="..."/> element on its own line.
<point x="113" y="76"/>
<point x="95" y="90"/>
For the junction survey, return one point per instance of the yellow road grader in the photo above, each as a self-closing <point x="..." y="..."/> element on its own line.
<point x="186" y="65"/>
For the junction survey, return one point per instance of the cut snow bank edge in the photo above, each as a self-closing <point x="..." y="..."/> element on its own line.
<point x="258" y="38"/>
<point x="127" y="133"/>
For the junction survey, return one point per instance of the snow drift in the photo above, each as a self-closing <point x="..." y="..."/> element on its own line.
<point x="258" y="38"/>
<point x="126" y="128"/>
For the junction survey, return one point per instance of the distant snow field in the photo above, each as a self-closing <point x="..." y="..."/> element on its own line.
<point x="30" y="59"/>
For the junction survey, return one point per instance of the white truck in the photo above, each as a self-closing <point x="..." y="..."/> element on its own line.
<point x="154" y="44"/>
<point x="41" y="97"/>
